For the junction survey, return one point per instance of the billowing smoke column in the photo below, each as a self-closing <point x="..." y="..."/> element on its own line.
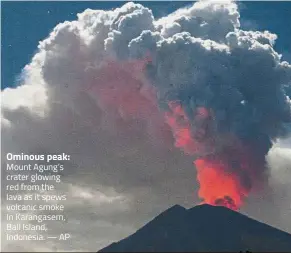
<point x="226" y="103"/>
<point x="219" y="90"/>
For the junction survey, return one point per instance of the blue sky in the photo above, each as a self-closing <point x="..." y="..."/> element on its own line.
<point x="24" y="24"/>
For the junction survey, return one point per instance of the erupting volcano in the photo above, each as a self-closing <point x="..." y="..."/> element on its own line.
<point x="155" y="109"/>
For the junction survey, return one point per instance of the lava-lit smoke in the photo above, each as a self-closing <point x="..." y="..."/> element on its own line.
<point x="121" y="90"/>
<point x="217" y="187"/>
<point x="126" y="97"/>
<point x="224" y="177"/>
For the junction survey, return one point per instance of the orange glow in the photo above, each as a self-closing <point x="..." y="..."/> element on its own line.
<point x="180" y="126"/>
<point x="218" y="187"/>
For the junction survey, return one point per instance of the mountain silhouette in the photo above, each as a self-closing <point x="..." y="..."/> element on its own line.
<point x="203" y="228"/>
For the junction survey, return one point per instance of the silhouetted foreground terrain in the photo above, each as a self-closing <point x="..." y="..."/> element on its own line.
<point x="203" y="228"/>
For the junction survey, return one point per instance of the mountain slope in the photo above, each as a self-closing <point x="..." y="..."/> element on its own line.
<point x="203" y="228"/>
